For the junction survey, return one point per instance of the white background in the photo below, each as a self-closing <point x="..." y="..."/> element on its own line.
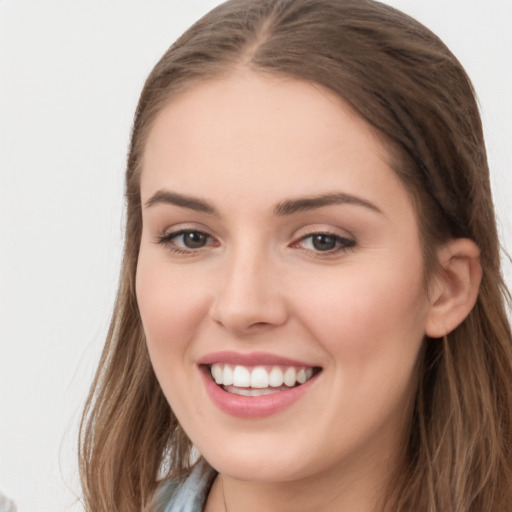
<point x="70" y="75"/>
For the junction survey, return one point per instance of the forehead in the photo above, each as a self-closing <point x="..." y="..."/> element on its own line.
<point x="263" y="136"/>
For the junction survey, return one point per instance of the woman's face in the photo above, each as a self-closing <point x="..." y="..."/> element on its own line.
<point x="279" y="245"/>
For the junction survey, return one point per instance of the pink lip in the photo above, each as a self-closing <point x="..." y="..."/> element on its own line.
<point x="253" y="359"/>
<point x="254" y="406"/>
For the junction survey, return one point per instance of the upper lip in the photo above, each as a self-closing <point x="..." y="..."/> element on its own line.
<point x="251" y="359"/>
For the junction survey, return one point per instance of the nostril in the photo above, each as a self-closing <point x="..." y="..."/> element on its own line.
<point x="259" y="324"/>
<point x="250" y="327"/>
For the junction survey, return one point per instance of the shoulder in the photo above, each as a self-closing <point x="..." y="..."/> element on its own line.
<point x="188" y="495"/>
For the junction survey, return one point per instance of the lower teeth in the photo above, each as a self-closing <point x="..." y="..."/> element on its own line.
<point x="254" y="391"/>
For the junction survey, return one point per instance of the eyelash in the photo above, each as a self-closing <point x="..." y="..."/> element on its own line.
<point x="342" y="244"/>
<point x="167" y="240"/>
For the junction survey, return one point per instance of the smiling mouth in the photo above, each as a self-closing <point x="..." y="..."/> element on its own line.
<point x="260" y="380"/>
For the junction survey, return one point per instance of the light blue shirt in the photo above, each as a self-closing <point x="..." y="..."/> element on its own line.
<point x="189" y="496"/>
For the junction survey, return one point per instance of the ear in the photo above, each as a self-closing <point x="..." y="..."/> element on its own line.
<point x="454" y="291"/>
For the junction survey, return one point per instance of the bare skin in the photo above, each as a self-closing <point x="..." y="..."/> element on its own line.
<point x="274" y="223"/>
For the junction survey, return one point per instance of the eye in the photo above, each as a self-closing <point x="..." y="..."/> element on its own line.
<point x="186" y="240"/>
<point x="325" y="243"/>
<point x="192" y="239"/>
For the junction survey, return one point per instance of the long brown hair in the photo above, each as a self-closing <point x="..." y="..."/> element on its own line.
<point x="402" y="80"/>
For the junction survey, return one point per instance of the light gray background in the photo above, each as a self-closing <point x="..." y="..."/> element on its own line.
<point x="70" y="75"/>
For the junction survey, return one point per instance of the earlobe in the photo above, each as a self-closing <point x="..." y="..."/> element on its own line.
<point x="455" y="290"/>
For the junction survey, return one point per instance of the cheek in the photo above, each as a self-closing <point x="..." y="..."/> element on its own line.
<point x="365" y="315"/>
<point x="371" y="324"/>
<point x="171" y="307"/>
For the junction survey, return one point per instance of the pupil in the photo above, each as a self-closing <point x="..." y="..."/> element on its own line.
<point x="194" y="240"/>
<point x="324" y="242"/>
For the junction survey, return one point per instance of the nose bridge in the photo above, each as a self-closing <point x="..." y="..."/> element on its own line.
<point x="248" y="295"/>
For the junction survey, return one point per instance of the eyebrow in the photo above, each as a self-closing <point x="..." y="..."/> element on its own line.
<point x="284" y="208"/>
<point x="301" y="204"/>
<point x="184" y="201"/>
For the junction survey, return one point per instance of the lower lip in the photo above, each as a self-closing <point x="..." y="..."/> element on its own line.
<point x="253" y="406"/>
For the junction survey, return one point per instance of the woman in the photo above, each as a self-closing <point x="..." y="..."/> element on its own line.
<point x="311" y="291"/>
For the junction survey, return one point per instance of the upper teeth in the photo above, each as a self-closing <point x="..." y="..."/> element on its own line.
<point x="259" y="376"/>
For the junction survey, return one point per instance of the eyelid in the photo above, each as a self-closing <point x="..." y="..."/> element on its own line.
<point x="180" y="227"/>
<point x="324" y="229"/>
<point x="168" y="235"/>
<point x="344" y="241"/>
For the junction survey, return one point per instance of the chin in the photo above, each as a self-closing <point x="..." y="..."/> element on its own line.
<point x="256" y="462"/>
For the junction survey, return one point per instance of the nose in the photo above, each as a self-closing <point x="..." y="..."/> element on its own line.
<point x="249" y="297"/>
